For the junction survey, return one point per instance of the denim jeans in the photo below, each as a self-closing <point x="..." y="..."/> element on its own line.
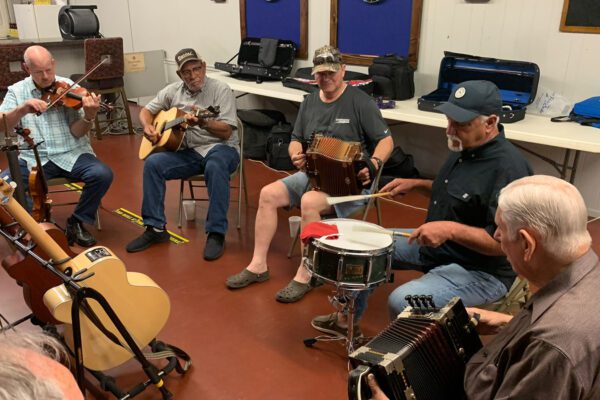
<point x="442" y="282"/>
<point x="96" y="175"/>
<point x="217" y="166"/>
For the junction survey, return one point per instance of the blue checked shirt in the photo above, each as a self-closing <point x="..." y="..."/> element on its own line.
<point x="51" y="127"/>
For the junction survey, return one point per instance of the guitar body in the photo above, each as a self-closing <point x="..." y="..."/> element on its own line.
<point x="141" y="305"/>
<point x="34" y="278"/>
<point x="170" y="139"/>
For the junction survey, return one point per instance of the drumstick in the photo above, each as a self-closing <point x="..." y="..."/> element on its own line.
<point x="344" y="199"/>
<point x="377" y="229"/>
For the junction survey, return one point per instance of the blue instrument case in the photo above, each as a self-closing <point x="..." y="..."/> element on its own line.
<point x="517" y="81"/>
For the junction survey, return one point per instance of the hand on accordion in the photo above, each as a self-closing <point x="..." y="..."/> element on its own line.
<point x="299" y="160"/>
<point x="488" y="322"/>
<point x="376" y="392"/>
<point x="364" y="176"/>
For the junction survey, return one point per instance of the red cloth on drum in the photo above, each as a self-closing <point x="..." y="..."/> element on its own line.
<point x="317" y="230"/>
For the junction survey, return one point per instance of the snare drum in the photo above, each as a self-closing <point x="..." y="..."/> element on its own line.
<point x="351" y="259"/>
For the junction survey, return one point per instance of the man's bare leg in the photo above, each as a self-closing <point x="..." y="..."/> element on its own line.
<point x="273" y="196"/>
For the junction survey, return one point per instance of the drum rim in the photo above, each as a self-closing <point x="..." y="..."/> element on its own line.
<point x="376" y="252"/>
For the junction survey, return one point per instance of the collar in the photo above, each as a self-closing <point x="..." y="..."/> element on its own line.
<point x="561" y="284"/>
<point x="477" y="152"/>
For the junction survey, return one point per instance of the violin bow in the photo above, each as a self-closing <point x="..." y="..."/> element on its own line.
<point x="63" y="94"/>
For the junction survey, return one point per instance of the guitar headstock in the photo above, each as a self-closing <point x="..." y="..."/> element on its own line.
<point x="209" y="112"/>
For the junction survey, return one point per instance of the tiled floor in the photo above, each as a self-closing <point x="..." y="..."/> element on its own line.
<point x="244" y="344"/>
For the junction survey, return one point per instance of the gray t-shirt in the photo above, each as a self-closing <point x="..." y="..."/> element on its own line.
<point x="213" y="93"/>
<point x="354" y="116"/>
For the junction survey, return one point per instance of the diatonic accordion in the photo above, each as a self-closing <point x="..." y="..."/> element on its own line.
<point x="421" y="355"/>
<point x="332" y="165"/>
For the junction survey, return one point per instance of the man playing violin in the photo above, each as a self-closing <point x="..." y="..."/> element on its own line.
<point x="210" y="147"/>
<point x="342" y="111"/>
<point x="62" y="134"/>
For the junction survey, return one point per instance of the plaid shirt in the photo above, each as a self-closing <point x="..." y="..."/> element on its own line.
<point x="51" y="127"/>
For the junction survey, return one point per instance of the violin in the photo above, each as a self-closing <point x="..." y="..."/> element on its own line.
<point x="63" y="94"/>
<point x="38" y="186"/>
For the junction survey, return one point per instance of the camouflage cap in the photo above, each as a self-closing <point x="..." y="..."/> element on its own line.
<point x="327" y="58"/>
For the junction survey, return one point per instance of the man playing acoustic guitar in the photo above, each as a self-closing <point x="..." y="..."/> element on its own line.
<point x="209" y="147"/>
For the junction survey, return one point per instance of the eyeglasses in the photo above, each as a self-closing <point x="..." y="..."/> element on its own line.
<point x="187" y="73"/>
<point x="326" y="59"/>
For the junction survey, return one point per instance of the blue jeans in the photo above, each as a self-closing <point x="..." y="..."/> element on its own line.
<point x="96" y="175"/>
<point x="217" y="166"/>
<point x="442" y="282"/>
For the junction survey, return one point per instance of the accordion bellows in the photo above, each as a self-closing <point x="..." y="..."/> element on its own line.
<point x="332" y="165"/>
<point x="421" y="355"/>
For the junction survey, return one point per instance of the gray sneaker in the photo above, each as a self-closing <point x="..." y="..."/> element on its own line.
<point x="328" y="324"/>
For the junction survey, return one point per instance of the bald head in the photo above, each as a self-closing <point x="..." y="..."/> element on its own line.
<point x="36" y="55"/>
<point x="39" y="63"/>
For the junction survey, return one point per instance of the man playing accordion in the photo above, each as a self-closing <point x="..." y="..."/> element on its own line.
<point x="340" y="111"/>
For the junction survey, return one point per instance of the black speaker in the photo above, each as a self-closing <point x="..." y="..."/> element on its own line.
<point x="78" y="22"/>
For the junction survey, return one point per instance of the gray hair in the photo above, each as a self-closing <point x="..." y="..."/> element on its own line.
<point x="551" y="207"/>
<point x="16" y="379"/>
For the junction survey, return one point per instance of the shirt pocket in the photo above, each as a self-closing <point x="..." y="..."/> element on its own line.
<point x="465" y="205"/>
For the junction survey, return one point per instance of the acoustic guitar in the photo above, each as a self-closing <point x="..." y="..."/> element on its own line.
<point x="138" y="301"/>
<point x="170" y="126"/>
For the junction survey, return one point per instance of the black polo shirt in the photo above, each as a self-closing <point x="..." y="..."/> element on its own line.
<point x="466" y="191"/>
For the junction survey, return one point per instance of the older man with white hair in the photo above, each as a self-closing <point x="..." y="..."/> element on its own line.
<point x="551" y="349"/>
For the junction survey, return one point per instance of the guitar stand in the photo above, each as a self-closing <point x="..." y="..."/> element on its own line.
<point x="347" y="306"/>
<point x="80" y="294"/>
<point x="107" y="383"/>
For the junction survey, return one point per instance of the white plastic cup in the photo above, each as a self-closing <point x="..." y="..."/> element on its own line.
<point x="189" y="209"/>
<point x="294" y="224"/>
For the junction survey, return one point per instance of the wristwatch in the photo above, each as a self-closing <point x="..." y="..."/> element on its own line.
<point x="379" y="162"/>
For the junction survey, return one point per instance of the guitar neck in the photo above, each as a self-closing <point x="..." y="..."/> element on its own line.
<point x="39" y="236"/>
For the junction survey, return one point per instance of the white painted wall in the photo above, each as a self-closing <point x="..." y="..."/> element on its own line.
<point x="510" y="29"/>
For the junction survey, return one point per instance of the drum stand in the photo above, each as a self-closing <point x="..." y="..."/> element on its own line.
<point x="346" y="307"/>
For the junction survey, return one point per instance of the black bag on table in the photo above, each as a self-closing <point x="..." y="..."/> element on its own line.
<point x="393" y="77"/>
<point x="278" y="142"/>
<point x="257" y="127"/>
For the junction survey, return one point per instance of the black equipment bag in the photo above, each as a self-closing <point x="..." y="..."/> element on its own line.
<point x="399" y="165"/>
<point x="278" y="142"/>
<point x="257" y="127"/>
<point x="304" y="80"/>
<point x="517" y="81"/>
<point x="262" y="59"/>
<point x="393" y="77"/>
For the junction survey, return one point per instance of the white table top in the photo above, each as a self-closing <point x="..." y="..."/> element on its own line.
<point x="533" y="129"/>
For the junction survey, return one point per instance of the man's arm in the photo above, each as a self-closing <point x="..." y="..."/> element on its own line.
<point x="295" y="152"/>
<point x="434" y="234"/>
<point x="90" y="105"/>
<point x="220" y="129"/>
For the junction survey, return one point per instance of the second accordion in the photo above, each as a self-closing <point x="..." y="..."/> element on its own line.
<point x="421" y="355"/>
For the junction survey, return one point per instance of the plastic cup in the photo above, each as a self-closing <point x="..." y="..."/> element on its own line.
<point x="294" y="224"/>
<point x="189" y="210"/>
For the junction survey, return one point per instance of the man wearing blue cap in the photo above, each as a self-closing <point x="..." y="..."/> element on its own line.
<point x="455" y="248"/>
